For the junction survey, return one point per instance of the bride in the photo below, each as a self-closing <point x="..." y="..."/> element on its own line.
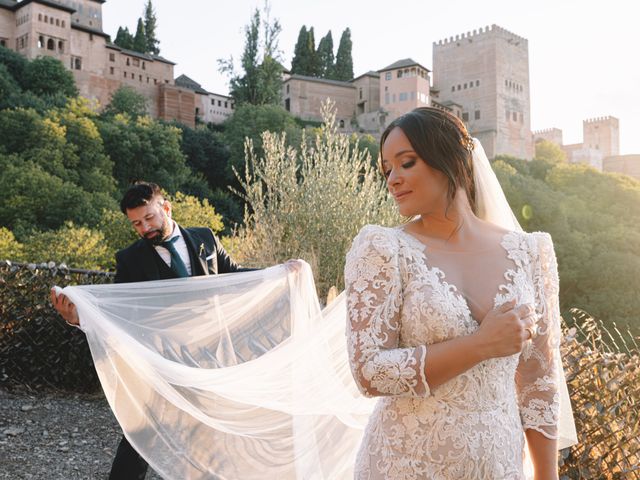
<point x="452" y="321"/>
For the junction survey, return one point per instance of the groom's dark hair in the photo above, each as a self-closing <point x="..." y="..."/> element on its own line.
<point x="140" y="193"/>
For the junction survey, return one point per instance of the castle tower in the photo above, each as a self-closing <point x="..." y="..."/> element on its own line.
<point x="553" y="135"/>
<point x="487" y="72"/>
<point x="603" y="134"/>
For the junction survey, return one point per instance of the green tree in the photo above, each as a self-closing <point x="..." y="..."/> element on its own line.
<point x="314" y="62"/>
<point x="324" y="54"/>
<point x="301" y="60"/>
<point x="10" y="248"/>
<point x="75" y="246"/>
<point x="15" y="63"/>
<point x="124" y="39"/>
<point x="250" y="121"/>
<point x="261" y="81"/>
<point x="8" y="86"/>
<point x="150" y="26"/>
<point x="127" y="100"/>
<point x="552" y="152"/>
<point x="144" y="149"/>
<point x="48" y="76"/>
<point x="140" y="39"/>
<point x="189" y="211"/>
<point x="344" y="61"/>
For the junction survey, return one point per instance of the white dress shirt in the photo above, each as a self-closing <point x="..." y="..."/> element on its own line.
<point x="181" y="248"/>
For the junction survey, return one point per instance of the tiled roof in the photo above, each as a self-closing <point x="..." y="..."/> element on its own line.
<point x="404" y="63"/>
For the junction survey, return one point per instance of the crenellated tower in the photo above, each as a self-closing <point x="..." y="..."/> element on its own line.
<point x="602" y="133"/>
<point x="486" y="72"/>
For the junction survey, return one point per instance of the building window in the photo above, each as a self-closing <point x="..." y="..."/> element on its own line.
<point x="61" y="47"/>
<point x="57" y="22"/>
<point x="507" y="116"/>
<point x="111" y="70"/>
<point x="3" y="42"/>
<point x="51" y="20"/>
<point x="287" y="104"/>
<point x="287" y="88"/>
<point x="136" y="62"/>
<point x="341" y="123"/>
<point x="403" y="97"/>
<point x="140" y="77"/>
<point x="155" y="81"/>
<point x="219" y="103"/>
<point x="386" y="98"/>
<point x="213" y="102"/>
<point x="125" y="74"/>
<point x="465" y="116"/>
<point x="387" y="76"/>
<point x="62" y="23"/>
<point x="225" y="105"/>
<point x="360" y="93"/>
<point x="477" y="83"/>
<point x="51" y="45"/>
<point x="147" y="79"/>
<point x="476" y="115"/>
<point x="144" y="65"/>
<point x="40" y="41"/>
<point x="453" y="88"/>
<point x="112" y="57"/>
<point x="76" y="63"/>
<point x="515" y="116"/>
<point x="128" y="61"/>
<point x="39" y="17"/>
<point x="459" y="86"/>
<point x="393" y="98"/>
<point x="465" y="86"/>
<point x="46" y="19"/>
<point x="399" y="73"/>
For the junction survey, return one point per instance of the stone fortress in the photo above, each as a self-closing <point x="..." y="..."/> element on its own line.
<point x="481" y="76"/>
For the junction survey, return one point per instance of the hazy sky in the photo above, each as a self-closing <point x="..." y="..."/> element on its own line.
<point x="583" y="54"/>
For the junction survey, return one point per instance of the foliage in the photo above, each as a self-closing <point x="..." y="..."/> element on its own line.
<point x="48" y="76"/>
<point x="326" y="61"/>
<point x="144" y="149"/>
<point x="37" y="349"/>
<point x="15" y="63"/>
<point x="250" y="121"/>
<point x="188" y="211"/>
<point x="344" y="60"/>
<point x="8" y="86"/>
<point x="593" y="218"/>
<point x="127" y="100"/>
<point x="546" y="150"/>
<point x="261" y="80"/>
<point x="150" y="26"/>
<point x="301" y="53"/>
<point x="72" y="245"/>
<point x="10" y="248"/>
<point x="310" y="203"/>
<point x="602" y="368"/>
<point x="140" y="38"/>
<point x="124" y="39"/>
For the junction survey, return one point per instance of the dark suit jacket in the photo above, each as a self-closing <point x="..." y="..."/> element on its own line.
<point x="140" y="262"/>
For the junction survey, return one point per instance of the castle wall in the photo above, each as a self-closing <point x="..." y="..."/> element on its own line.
<point x="214" y="108"/>
<point x="367" y="94"/>
<point x="304" y="98"/>
<point x="626" y="164"/>
<point x="175" y="103"/>
<point x="553" y="135"/>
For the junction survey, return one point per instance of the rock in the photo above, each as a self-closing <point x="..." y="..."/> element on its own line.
<point x="26" y="408"/>
<point x="13" y="431"/>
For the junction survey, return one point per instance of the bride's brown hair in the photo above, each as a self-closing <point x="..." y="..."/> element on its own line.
<point x="442" y="141"/>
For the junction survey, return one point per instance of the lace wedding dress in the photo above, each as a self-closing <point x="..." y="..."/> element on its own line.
<point x="399" y="301"/>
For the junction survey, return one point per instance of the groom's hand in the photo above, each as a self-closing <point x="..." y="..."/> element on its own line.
<point x="65" y="308"/>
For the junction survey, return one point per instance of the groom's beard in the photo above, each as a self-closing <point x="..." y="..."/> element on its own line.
<point x="158" y="235"/>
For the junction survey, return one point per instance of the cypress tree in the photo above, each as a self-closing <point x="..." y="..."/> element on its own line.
<point x="314" y="65"/>
<point x="300" y="62"/>
<point x="150" y="25"/>
<point x="140" y="40"/>
<point x="124" y="39"/>
<point x="325" y="57"/>
<point x="344" y="61"/>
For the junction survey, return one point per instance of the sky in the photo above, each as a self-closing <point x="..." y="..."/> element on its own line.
<point x="583" y="54"/>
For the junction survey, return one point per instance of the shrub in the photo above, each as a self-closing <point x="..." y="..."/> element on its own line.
<point x="310" y="203"/>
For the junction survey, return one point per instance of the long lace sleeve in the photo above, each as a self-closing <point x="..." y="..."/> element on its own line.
<point x="540" y="369"/>
<point x="374" y="303"/>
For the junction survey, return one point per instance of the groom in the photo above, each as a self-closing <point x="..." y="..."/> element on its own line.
<point x="164" y="251"/>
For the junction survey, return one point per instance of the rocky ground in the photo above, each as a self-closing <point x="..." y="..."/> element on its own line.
<point x="56" y="436"/>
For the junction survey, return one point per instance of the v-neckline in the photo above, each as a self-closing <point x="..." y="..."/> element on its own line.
<point x="442" y="277"/>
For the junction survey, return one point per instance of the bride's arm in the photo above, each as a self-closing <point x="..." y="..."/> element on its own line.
<point x="374" y="301"/>
<point x="540" y="372"/>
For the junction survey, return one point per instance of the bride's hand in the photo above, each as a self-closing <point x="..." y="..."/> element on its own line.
<point x="505" y="330"/>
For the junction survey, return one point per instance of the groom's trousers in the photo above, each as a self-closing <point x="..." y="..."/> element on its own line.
<point x="128" y="464"/>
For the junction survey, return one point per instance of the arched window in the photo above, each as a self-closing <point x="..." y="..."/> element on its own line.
<point x="46" y="19"/>
<point x="78" y="64"/>
<point x="39" y="17"/>
<point x="128" y="62"/>
<point x="61" y="47"/>
<point x="51" y="45"/>
<point x="40" y="41"/>
<point x="341" y="123"/>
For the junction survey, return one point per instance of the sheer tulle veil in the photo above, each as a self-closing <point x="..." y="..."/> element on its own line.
<point x="241" y="375"/>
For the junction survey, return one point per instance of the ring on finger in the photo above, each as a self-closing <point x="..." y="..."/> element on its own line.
<point x="532" y="332"/>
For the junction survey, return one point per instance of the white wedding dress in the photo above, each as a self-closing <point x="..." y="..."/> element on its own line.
<point x="399" y="301"/>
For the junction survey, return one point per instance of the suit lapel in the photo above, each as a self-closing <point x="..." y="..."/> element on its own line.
<point x="197" y="254"/>
<point x="149" y="263"/>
